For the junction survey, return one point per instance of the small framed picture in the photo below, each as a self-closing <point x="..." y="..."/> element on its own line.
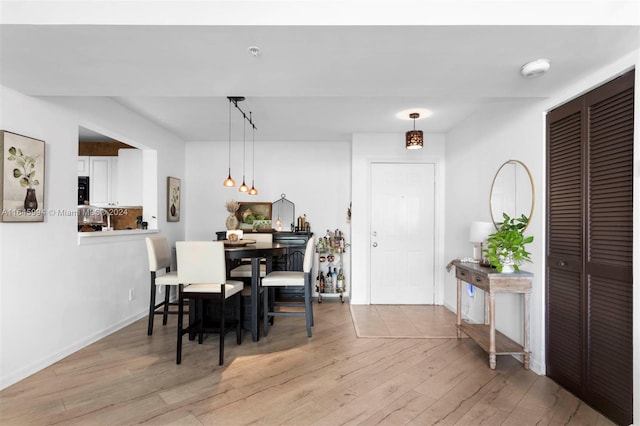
<point x="173" y="199"/>
<point x="21" y="178"/>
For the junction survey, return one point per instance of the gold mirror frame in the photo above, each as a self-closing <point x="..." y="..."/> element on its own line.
<point x="494" y="190"/>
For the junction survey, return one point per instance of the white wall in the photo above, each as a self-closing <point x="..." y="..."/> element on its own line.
<point x="475" y="149"/>
<point x="314" y="176"/>
<point x="368" y="148"/>
<point x="57" y="296"/>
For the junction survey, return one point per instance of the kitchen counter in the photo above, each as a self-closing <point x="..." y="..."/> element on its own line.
<point x="100" y="237"/>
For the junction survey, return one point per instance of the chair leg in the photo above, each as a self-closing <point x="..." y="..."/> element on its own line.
<point x="200" y="320"/>
<point x="307" y="306"/>
<point x="167" y="290"/>
<point x="152" y="304"/>
<point x="180" y="312"/>
<point x="238" y="316"/>
<point x="222" y="327"/>
<point x="265" y="311"/>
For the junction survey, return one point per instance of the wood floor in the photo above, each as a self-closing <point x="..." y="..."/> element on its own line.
<point x="330" y="379"/>
<point x="404" y="321"/>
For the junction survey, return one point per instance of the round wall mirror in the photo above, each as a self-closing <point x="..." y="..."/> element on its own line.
<point x="512" y="192"/>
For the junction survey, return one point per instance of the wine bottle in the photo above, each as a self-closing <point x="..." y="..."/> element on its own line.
<point x="329" y="282"/>
<point x="340" y="281"/>
<point x="322" y="282"/>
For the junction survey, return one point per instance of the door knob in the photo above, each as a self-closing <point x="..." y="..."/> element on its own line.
<point x="375" y="244"/>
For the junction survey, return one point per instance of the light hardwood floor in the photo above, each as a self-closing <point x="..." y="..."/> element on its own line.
<point x="332" y="378"/>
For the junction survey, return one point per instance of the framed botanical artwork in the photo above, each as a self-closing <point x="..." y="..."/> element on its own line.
<point x="21" y="178"/>
<point x="254" y="216"/>
<point x="173" y="199"/>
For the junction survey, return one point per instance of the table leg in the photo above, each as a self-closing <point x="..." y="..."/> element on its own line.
<point x="459" y="309"/>
<point x="255" y="297"/>
<point x="492" y="331"/>
<point x="486" y="307"/>
<point x="525" y="310"/>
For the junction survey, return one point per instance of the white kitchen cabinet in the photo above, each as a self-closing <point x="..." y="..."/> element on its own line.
<point x="102" y="181"/>
<point x="129" y="177"/>
<point x="83" y="165"/>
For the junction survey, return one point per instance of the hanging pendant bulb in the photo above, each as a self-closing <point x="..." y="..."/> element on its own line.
<point x="253" y="190"/>
<point x="229" y="182"/>
<point x="243" y="187"/>
<point x="414" y="138"/>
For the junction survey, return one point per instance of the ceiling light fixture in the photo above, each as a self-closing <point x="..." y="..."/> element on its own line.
<point x="244" y="187"/>
<point x="229" y="182"/>
<point x="414" y="138"/>
<point x="253" y="190"/>
<point x="535" y="68"/>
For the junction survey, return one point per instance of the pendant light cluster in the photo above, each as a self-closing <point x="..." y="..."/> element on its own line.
<point x="414" y="138"/>
<point x="229" y="182"/>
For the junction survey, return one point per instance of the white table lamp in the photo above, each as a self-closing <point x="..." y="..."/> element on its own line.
<point x="478" y="233"/>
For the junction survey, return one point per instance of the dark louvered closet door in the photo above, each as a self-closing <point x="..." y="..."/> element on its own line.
<point x="564" y="249"/>
<point x="589" y="252"/>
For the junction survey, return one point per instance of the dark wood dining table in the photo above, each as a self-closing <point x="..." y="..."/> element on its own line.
<point x="255" y="251"/>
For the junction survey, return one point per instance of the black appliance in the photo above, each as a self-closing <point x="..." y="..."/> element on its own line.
<point x="83" y="190"/>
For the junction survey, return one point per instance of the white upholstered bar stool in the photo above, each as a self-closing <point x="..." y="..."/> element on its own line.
<point x="202" y="274"/>
<point x="161" y="275"/>
<point x="290" y="279"/>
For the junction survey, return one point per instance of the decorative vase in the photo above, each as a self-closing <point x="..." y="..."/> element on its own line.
<point x="507" y="262"/>
<point x="30" y="201"/>
<point x="173" y="209"/>
<point x="232" y="222"/>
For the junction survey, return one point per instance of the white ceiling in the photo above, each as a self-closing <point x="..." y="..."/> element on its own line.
<point x="315" y="82"/>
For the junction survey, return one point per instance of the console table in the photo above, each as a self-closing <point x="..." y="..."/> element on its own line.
<point x="491" y="282"/>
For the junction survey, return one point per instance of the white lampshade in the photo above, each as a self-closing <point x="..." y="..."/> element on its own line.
<point x="479" y="231"/>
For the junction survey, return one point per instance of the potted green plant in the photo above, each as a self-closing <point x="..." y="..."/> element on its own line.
<point x="506" y="247"/>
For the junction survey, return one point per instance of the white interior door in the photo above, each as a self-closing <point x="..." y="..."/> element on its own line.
<point x="402" y="233"/>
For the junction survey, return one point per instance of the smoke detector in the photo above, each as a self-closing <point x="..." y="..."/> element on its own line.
<point x="254" y="50"/>
<point x="535" y="68"/>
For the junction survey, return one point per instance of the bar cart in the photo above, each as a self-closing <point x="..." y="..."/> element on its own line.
<point x="330" y="280"/>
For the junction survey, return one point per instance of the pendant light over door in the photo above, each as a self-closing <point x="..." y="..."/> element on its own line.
<point x="414" y="138"/>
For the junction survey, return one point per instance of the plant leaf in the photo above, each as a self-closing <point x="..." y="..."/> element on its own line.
<point x="17" y="173"/>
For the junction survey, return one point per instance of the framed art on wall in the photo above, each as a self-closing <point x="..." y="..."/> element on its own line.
<point x="254" y="216"/>
<point x="21" y="178"/>
<point x="173" y="199"/>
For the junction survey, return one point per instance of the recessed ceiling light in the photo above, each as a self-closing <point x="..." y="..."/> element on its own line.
<point x="535" y="68"/>
<point x="254" y="50"/>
